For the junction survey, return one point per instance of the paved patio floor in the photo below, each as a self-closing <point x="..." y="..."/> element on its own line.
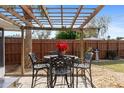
<point x="25" y="82"/>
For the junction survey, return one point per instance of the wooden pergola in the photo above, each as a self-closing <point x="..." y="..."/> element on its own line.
<point x="48" y="17"/>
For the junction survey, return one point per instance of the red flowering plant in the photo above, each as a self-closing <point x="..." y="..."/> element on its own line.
<point x="62" y="47"/>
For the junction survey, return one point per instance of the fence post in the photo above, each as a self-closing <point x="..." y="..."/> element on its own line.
<point x="107" y="48"/>
<point x="72" y="47"/>
<point x="22" y="52"/>
<point x="117" y="48"/>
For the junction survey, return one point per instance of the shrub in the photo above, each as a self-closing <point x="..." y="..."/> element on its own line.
<point x="111" y="54"/>
<point x="69" y="34"/>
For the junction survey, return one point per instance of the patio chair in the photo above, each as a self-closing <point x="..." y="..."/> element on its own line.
<point x="61" y="66"/>
<point x="83" y="66"/>
<point x="37" y="64"/>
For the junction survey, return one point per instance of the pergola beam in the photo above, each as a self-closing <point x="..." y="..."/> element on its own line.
<point x="47" y="28"/>
<point x="67" y="16"/>
<point x="68" y="12"/>
<point x="46" y="14"/>
<point x="76" y="16"/>
<point x="63" y="19"/>
<point x="62" y="15"/>
<point x="39" y="28"/>
<point x="9" y="20"/>
<point x="69" y="8"/>
<point x="52" y="29"/>
<point x="29" y="12"/>
<point x="11" y="29"/>
<point x="14" y="13"/>
<point x="63" y="24"/>
<point x="92" y="15"/>
<point x="60" y="8"/>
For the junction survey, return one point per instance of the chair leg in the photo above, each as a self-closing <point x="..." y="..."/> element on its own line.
<point x="48" y="78"/>
<point x="91" y="78"/>
<point x="73" y="79"/>
<point x="66" y="80"/>
<point x="76" y="77"/>
<point x="85" y="78"/>
<point x="32" y="84"/>
<point x="35" y="77"/>
<point x="54" y="81"/>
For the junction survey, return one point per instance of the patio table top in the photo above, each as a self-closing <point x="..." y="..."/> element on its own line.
<point x="48" y="56"/>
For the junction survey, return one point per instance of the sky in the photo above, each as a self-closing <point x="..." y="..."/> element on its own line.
<point x="116" y="26"/>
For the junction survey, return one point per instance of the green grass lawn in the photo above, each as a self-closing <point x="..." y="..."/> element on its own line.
<point x="115" y="65"/>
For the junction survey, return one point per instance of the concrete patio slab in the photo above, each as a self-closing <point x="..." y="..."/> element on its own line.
<point x="25" y="82"/>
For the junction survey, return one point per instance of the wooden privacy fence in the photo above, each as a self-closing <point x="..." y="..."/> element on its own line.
<point x="41" y="48"/>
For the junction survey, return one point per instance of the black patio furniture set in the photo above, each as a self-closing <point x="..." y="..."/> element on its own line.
<point x="64" y="66"/>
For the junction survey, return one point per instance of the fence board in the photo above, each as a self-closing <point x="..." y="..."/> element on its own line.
<point x="121" y="49"/>
<point x="102" y="46"/>
<point x="12" y="51"/>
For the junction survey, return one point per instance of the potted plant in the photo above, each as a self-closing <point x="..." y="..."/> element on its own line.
<point x="62" y="48"/>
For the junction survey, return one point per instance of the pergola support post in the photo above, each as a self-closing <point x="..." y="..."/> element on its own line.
<point x="2" y="53"/>
<point x="81" y="49"/>
<point x="22" y="52"/>
<point x="81" y="45"/>
<point x="28" y="47"/>
<point x="28" y="35"/>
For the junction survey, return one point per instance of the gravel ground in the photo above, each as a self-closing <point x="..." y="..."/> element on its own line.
<point x="106" y="78"/>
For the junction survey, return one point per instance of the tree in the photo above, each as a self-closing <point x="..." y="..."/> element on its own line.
<point x="102" y="23"/>
<point x="68" y="34"/>
<point x="119" y="38"/>
<point x="108" y="37"/>
<point x="41" y="34"/>
<point x="89" y="32"/>
<point x="61" y="35"/>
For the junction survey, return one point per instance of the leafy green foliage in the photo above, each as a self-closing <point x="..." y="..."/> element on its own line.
<point x="61" y="35"/>
<point x="69" y="34"/>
